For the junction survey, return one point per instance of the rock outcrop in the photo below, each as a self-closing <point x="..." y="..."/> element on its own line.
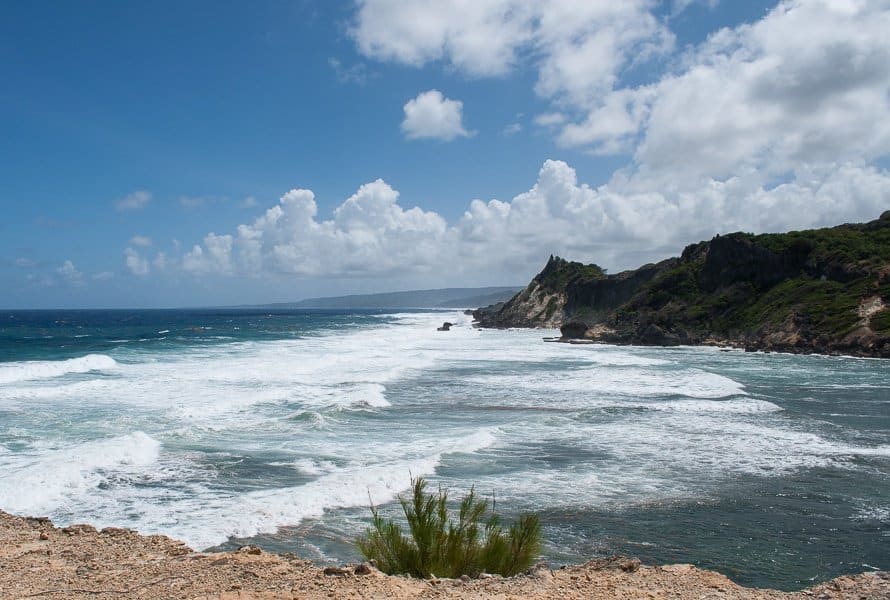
<point x="824" y="291"/>
<point x="567" y="291"/>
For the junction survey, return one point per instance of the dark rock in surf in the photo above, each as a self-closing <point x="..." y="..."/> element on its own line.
<point x="573" y="330"/>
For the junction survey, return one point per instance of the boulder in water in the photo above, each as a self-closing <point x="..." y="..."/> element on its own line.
<point x="573" y="330"/>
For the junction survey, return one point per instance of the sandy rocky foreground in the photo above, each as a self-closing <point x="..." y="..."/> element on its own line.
<point x="38" y="560"/>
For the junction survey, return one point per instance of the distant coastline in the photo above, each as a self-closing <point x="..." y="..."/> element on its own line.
<point x="414" y="299"/>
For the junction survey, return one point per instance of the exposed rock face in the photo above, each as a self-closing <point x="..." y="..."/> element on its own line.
<point x="824" y="291"/>
<point x="567" y="290"/>
<point x="446" y="326"/>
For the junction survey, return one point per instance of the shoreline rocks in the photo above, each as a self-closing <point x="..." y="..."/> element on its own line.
<point x="40" y="560"/>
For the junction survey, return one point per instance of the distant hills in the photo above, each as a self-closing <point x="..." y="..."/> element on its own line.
<point x="821" y="290"/>
<point x="441" y="298"/>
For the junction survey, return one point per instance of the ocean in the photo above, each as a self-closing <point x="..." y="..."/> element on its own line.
<point x="227" y="427"/>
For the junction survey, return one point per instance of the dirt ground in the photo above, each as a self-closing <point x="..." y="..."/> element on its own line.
<point x="38" y="560"/>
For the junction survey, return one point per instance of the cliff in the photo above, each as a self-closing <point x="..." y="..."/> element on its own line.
<point x="565" y="291"/>
<point x="823" y="290"/>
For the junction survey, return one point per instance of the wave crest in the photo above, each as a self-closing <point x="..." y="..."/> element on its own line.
<point x="44" y="369"/>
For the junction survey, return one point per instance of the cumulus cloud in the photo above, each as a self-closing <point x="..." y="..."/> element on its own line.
<point x="69" y="273"/>
<point x="433" y="116"/>
<point x="103" y="276"/>
<point x="808" y="83"/>
<point x="25" y="263"/>
<point x="136" y="263"/>
<point x="371" y="235"/>
<point x="480" y="38"/>
<point x="586" y="45"/>
<point x="621" y="228"/>
<point x="579" y="47"/>
<point x="767" y="126"/>
<point x="214" y="256"/>
<point x="134" y="201"/>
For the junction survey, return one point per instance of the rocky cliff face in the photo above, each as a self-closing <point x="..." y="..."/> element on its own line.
<point x="565" y="291"/>
<point x="823" y="290"/>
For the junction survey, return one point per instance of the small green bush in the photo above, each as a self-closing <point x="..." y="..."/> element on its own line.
<point x="439" y="547"/>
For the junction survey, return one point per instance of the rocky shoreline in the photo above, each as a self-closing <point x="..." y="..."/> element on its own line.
<point x="824" y="291"/>
<point x="579" y="333"/>
<point x="39" y="560"/>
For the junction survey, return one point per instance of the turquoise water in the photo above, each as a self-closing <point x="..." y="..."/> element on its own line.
<point x="221" y="427"/>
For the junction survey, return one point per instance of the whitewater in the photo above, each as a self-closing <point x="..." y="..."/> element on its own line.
<point x="227" y="427"/>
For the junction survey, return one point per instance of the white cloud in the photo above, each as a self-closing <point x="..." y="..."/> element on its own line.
<point x="103" y="276"/>
<point x="512" y="129"/>
<point x="140" y="240"/>
<point x="134" y="201"/>
<point x="25" y="262"/>
<point x="432" y="116"/>
<point x="579" y="47"/>
<point x="612" y="127"/>
<point x="136" y="263"/>
<point x="550" y="119"/>
<point x="801" y="97"/>
<point x="679" y="6"/>
<point x="371" y="235"/>
<point x="214" y="257"/>
<point x="69" y="273"/>
<point x="808" y="84"/>
<point x="622" y="228"/>
<point x="587" y="44"/>
<point x="479" y="38"/>
<point x="249" y="202"/>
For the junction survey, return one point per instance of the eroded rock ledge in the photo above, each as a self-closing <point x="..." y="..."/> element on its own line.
<point x="38" y="560"/>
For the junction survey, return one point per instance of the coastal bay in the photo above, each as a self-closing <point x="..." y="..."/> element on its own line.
<point x="225" y="427"/>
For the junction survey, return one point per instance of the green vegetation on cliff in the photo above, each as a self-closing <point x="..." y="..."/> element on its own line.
<point x="821" y="290"/>
<point x="558" y="274"/>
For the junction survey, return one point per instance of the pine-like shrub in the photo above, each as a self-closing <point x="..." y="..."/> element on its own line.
<point x="440" y="547"/>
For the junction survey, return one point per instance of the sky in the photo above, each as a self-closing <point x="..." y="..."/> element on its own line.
<point x="209" y="153"/>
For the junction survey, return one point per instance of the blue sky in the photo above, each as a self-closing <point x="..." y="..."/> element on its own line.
<point x="143" y="144"/>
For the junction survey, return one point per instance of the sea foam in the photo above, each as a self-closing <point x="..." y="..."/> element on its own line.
<point x="210" y="518"/>
<point x="45" y="482"/>
<point x="43" y="369"/>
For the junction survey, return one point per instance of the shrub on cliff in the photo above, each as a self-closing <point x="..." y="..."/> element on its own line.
<point x="438" y="546"/>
